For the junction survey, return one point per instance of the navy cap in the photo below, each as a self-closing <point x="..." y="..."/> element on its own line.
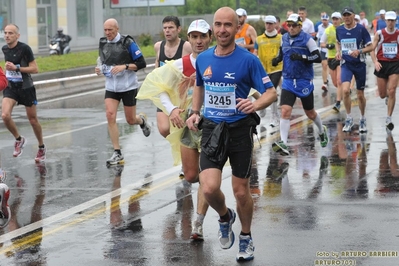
<point x="347" y="10"/>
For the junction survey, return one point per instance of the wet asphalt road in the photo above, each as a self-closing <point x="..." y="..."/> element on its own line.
<point x="337" y="204"/>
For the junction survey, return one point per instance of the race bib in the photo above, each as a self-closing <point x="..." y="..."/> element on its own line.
<point x="389" y="50"/>
<point x="13" y="76"/>
<point x="348" y="45"/>
<point x="240" y="40"/>
<point x="219" y="101"/>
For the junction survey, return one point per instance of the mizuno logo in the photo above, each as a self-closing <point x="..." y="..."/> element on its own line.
<point x="229" y="75"/>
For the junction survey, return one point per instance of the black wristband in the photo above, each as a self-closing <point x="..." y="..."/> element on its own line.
<point x="127" y="66"/>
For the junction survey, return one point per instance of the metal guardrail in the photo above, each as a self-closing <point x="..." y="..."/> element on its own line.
<point x="87" y="76"/>
<point x="72" y="84"/>
<point x="73" y="77"/>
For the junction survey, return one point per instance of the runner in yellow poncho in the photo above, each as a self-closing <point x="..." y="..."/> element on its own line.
<point x="170" y="88"/>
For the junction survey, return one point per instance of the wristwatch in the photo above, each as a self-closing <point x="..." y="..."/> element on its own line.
<point x="194" y="112"/>
<point x="127" y="66"/>
<point x="18" y="68"/>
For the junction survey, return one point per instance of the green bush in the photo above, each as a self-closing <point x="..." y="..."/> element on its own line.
<point x="259" y="26"/>
<point x="145" y="39"/>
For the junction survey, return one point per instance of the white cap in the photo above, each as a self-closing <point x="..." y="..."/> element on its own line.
<point x="270" y="19"/>
<point x="390" y="15"/>
<point x="357" y="17"/>
<point x="336" y="15"/>
<point x="241" y="12"/>
<point x="382" y="11"/>
<point x="294" y="18"/>
<point x="199" y="25"/>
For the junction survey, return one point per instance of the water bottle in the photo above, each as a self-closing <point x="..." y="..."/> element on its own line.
<point x="100" y="65"/>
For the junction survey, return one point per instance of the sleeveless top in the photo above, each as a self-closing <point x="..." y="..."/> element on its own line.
<point x="243" y="34"/>
<point x="188" y="68"/>
<point x="116" y="53"/>
<point x="162" y="57"/>
<point x="388" y="46"/>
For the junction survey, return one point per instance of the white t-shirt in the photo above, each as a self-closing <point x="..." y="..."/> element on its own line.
<point x="307" y="26"/>
<point x="364" y="22"/>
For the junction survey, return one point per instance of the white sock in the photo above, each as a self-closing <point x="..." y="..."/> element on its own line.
<point x="318" y="123"/>
<point x="200" y="218"/>
<point x="284" y="129"/>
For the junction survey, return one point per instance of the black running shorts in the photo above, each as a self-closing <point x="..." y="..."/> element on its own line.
<point x="26" y="97"/>
<point x="239" y="151"/>
<point x="128" y="97"/>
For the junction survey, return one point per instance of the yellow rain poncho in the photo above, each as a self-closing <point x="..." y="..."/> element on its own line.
<point x="171" y="80"/>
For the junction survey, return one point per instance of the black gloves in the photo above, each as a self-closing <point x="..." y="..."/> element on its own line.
<point x="330" y="46"/>
<point x="298" y="57"/>
<point x="275" y="61"/>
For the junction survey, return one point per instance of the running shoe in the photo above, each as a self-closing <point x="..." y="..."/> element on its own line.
<point x="18" y="147"/>
<point x="2" y="176"/>
<point x="145" y="127"/>
<point x="41" y="155"/>
<point x="115" y="159"/>
<point x="275" y="122"/>
<point x="246" y="249"/>
<point x="324" y="137"/>
<point x="348" y="125"/>
<point x="281" y="148"/>
<point x="226" y="234"/>
<point x="197" y="233"/>
<point x="362" y="126"/>
<point x="262" y="113"/>
<point x="5" y="213"/>
<point x="389" y="124"/>
<point x="336" y="107"/>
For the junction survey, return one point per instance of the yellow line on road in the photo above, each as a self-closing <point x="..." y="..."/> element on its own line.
<point x="23" y="242"/>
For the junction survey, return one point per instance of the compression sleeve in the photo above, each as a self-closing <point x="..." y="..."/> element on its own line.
<point x="314" y="57"/>
<point x="140" y="63"/>
<point x="165" y="100"/>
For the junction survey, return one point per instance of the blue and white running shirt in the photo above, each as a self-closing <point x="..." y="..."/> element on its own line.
<point x="227" y="78"/>
<point x="353" y="39"/>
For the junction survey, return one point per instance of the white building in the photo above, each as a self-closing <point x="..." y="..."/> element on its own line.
<point x="38" y="19"/>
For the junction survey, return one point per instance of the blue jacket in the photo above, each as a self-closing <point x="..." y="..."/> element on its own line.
<point x="296" y="69"/>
